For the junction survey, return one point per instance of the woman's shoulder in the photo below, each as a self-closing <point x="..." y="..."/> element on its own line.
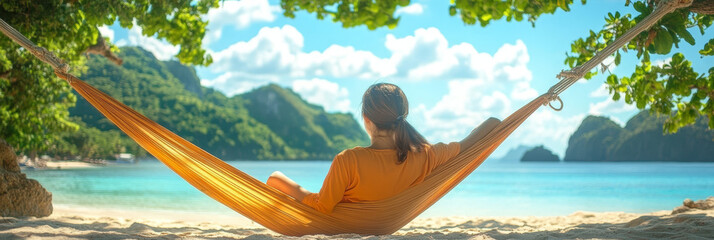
<point x="352" y="152"/>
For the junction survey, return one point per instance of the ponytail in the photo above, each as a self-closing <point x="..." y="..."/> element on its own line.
<point x="407" y="139"/>
<point x="387" y="107"/>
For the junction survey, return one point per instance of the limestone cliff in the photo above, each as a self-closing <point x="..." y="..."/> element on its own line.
<point x="599" y="139"/>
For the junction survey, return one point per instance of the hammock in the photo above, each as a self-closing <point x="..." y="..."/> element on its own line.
<point x="279" y="212"/>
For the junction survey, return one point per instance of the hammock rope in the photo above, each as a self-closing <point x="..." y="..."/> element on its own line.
<point x="277" y="211"/>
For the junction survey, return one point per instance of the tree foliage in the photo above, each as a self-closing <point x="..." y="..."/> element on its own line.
<point x="672" y="89"/>
<point x="373" y="14"/>
<point x="33" y="102"/>
<point x="482" y="12"/>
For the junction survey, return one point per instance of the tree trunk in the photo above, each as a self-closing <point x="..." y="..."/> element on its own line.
<point x="702" y="7"/>
<point x="33" y="157"/>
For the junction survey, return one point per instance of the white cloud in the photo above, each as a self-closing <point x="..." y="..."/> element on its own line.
<point x="425" y="55"/>
<point x="608" y="106"/>
<point x="661" y="62"/>
<point x="412" y="9"/>
<point x="496" y="82"/>
<point x="342" y="62"/>
<point x="460" y="110"/>
<point x="325" y="93"/>
<point x="276" y="53"/>
<point x="107" y="32"/>
<point x="239" y="14"/>
<point x="162" y="50"/>
<point x="549" y="128"/>
<point x="272" y="52"/>
<point x="601" y="91"/>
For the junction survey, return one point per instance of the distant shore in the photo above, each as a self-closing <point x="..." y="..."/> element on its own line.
<point x="86" y="223"/>
<point x="71" y="164"/>
<point x="48" y="163"/>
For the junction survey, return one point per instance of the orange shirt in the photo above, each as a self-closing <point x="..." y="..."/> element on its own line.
<point x="365" y="174"/>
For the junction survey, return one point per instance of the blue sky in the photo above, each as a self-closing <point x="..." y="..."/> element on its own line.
<point x="454" y="75"/>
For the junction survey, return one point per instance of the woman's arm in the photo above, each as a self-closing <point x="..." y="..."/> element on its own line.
<point x="478" y="133"/>
<point x="281" y="182"/>
<point x="332" y="191"/>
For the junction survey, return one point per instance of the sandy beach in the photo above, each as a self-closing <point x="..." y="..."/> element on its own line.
<point x="69" y="165"/>
<point x="78" y="223"/>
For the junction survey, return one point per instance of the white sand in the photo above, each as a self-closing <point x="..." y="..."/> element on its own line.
<point x="69" y="164"/>
<point x="78" y="223"/>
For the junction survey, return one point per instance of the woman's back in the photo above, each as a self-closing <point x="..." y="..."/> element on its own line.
<point x="366" y="174"/>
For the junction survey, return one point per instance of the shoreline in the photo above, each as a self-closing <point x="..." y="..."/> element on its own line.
<point x="77" y="222"/>
<point x="70" y="165"/>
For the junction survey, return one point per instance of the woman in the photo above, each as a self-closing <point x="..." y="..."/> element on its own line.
<point x="398" y="157"/>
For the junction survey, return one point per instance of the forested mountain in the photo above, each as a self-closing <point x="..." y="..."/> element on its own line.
<point x="294" y="120"/>
<point x="599" y="139"/>
<point x="268" y="123"/>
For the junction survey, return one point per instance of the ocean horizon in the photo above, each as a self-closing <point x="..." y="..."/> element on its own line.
<point x="493" y="190"/>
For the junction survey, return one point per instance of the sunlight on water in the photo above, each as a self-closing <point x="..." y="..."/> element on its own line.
<point x="495" y="189"/>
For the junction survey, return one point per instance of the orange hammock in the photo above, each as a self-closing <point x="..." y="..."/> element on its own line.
<point x="279" y="212"/>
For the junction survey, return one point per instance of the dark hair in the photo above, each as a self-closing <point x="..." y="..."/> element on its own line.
<point x="387" y="107"/>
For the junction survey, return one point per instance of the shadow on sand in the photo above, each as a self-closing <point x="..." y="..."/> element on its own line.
<point x="679" y="226"/>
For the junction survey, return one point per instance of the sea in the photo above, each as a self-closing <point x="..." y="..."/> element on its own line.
<point x="494" y="189"/>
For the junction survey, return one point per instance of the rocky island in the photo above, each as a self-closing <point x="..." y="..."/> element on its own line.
<point x="539" y="154"/>
<point x="599" y="139"/>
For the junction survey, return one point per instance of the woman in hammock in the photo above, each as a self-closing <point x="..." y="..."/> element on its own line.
<point x="398" y="157"/>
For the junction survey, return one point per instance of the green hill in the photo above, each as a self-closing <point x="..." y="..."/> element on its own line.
<point x="239" y="127"/>
<point x="599" y="139"/>
<point x="294" y="120"/>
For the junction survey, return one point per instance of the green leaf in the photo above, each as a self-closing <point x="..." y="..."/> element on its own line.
<point x="708" y="49"/>
<point x="640" y="7"/>
<point x="663" y="42"/>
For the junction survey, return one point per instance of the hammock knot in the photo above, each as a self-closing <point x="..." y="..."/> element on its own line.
<point x="47" y="56"/>
<point x="574" y="73"/>
<point x="552" y="96"/>
<point x="64" y="75"/>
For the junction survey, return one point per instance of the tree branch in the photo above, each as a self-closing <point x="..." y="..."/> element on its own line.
<point x="102" y="48"/>
<point x="702" y="7"/>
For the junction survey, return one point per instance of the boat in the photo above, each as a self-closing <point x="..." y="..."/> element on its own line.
<point x="125" y="158"/>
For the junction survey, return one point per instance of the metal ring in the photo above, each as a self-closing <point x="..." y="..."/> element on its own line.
<point x="559" y="100"/>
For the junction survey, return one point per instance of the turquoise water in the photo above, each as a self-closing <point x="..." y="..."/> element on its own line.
<point x="494" y="189"/>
